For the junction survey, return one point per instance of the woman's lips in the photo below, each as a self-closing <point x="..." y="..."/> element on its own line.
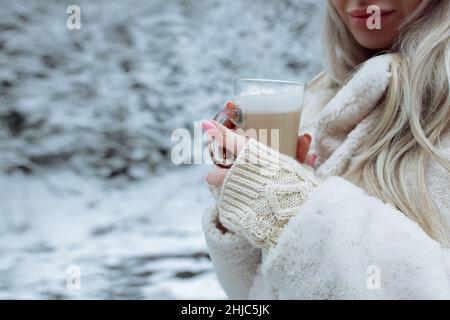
<point x="361" y="15"/>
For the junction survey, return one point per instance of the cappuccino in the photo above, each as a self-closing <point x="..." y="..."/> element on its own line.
<point x="275" y="118"/>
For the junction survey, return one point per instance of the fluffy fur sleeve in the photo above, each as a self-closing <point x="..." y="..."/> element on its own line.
<point x="345" y="244"/>
<point x="342" y="244"/>
<point x="235" y="260"/>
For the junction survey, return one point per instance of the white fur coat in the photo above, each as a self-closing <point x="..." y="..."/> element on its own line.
<point x="343" y="244"/>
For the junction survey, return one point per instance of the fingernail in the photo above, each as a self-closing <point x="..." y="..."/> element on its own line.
<point x="229" y="105"/>
<point x="308" y="136"/>
<point x="313" y="159"/>
<point x="206" y="124"/>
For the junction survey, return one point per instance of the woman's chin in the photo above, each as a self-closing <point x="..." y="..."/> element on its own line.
<point x="374" y="41"/>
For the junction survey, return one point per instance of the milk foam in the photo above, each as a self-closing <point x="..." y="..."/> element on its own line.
<point x="270" y="103"/>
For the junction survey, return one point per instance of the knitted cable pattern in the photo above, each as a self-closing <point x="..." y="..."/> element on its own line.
<point x="262" y="191"/>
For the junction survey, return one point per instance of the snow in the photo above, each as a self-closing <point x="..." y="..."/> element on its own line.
<point x="104" y="99"/>
<point x="142" y="241"/>
<point x="85" y="124"/>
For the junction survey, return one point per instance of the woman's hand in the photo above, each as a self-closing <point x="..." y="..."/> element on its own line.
<point x="235" y="143"/>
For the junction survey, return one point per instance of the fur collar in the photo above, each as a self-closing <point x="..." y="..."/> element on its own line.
<point x="350" y="115"/>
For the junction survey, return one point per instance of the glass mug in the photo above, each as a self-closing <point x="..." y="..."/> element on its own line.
<point x="270" y="108"/>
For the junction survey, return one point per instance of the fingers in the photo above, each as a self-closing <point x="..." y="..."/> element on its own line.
<point x="215" y="178"/>
<point x="230" y="105"/>
<point x="224" y="130"/>
<point x="311" y="160"/>
<point x="303" y="144"/>
<point x="236" y="141"/>
<point x="224" y="136"/>
<point x="212" y="131"/>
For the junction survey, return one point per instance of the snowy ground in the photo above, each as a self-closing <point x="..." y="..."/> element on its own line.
<point x="142" y="241"/>
<point x="85" y="123"/>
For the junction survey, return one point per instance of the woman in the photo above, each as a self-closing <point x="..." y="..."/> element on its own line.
<point x="370" y="219"/>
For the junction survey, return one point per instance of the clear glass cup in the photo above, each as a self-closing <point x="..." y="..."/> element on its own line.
<point x="271" y="109"/>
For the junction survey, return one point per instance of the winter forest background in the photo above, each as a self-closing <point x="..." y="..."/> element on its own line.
<point x="86" y="116"/>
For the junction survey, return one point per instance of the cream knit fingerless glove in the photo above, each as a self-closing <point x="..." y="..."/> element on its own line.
<point x="262" y="191"/>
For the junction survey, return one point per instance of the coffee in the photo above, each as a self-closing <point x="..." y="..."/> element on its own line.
<point x="275" y="118"/>
<point x="268" y="110"/>
<point x="286" y="124"/>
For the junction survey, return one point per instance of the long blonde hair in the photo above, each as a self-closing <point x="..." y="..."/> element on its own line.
<point x="392" y="161"/>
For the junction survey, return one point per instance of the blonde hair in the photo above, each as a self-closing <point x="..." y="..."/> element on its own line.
<point x="392" y="161"/>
